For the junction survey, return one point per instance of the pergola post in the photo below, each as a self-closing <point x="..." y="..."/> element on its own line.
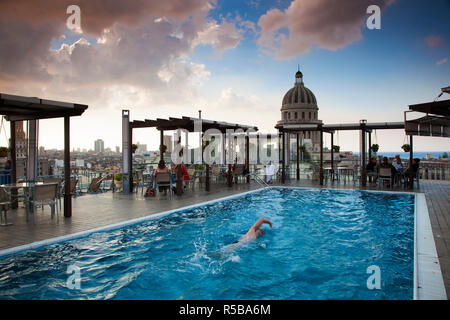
<point x="369" y="147"/>
<point x="363" y="153"/>
<point x="247" y="155"/>
<point x="298" y="157"/>
<point x="13" y="164"/>
<point x="411" y="174"/>
<point x="67" y="194"/>
<point x="207" y="182"/>
<point x="321" y="158"/>
<point x="179" y="181"/>
<point x="161" y="143"/>
<point x="126" y="147"/>
<point x="130" y="156"/>
<point x="332" y="153"/>
<point x="283" y="155"/>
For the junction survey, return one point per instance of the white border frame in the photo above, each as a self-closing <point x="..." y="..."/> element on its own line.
<point x="428" y="283"/>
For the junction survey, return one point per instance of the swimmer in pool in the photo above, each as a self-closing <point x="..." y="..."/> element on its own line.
<point x="255" y="230"/>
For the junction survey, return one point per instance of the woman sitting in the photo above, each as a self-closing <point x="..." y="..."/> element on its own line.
<point x="161" y="168"/>
<point x="372" y="169"/>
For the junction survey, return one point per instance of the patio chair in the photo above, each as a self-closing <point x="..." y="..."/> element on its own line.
<point x="237" y="173"/>
<point x="162" y="179"/>
<point x="215" y="173"/>
<point x="45" y="194"/>
<point x="5" y="203"/>
<point x="385" y="174"/>
<point x="59" y="190"/>
<point x="191" y="181"/>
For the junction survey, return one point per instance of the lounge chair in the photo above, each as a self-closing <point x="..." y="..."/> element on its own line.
<point x="59" y="191"/>
<point x="5" y="203"/>
<point x="94" y="186"/>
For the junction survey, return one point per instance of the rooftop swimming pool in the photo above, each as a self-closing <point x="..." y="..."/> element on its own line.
<point x="320" y="247"/>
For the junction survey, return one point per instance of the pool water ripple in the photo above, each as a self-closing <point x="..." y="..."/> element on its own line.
<point x="320" y="246"/>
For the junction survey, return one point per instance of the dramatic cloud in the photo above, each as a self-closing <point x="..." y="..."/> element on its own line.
<point x="327" y="24"/>
<point x="137" y="48"/>
<point x="434" y="41"/>
<point x="221" y="36"/>
<point x="442" y="61"/>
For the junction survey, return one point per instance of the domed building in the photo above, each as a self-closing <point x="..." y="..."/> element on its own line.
<point x="299" y="106"/>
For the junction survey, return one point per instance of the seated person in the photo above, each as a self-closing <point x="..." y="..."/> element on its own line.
<point x="371" y="168"/>
<point x="413" y="168"/>
<point x="161" y="168"/>
<point x="246" y="170"/>
<point x="397" y="164"/>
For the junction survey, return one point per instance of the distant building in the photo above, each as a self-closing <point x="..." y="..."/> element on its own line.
<point x="299" y="106"/>
<point x="167" y="141"/>
<point x="117" y="149"/>
<point x="142" y="148"/>
<point x="21" y="141"/>
<point x="99" y="146"/>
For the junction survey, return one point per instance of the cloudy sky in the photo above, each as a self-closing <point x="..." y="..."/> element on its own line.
<point x="233" y="59"/>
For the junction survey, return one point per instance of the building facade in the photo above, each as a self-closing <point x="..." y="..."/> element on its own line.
<point x="99" y="146"/>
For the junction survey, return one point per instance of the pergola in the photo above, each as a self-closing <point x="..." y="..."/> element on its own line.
<point x="362" y="126"/>
<point x="435" y="123"/>
<point x="32" y="109"/>
<point x="185" y="123"/>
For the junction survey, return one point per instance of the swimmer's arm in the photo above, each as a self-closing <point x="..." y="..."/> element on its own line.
<point x="260" y="222"/>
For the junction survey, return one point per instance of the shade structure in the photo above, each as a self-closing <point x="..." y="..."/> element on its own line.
<point x="436" y="122"/>
<point x="21" y="108"/>
<point x="17" y="108"/>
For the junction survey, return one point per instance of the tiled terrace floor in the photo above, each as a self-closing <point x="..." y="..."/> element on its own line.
<point x="92" y="211"/>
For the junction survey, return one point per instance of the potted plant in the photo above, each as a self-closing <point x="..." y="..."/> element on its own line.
<point x="118" y="181"/>
<point x="163" y="148"/>
<point x="375" y="147"/>
<point x="134" y="147"/>
<point x="3" y="152"/>
<point x="336" y="148"/>
<point x="406" y="147"/>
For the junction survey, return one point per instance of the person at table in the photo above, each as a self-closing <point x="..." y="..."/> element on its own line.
<point x="184" y="173"/>
<point x="6" y="173"/>
<point x="246" y="170"/>
<point x="414" y="168"/>
<point x="270" y="171"/>
<point x="398" y="165"/>
<point x="371" y="169"/>
<point x="161" y="168"/>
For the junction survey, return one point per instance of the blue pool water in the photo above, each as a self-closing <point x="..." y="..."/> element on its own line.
<point x="320" y="247"/>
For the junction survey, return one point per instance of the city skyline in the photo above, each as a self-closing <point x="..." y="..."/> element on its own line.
<point x="232" y="60"/>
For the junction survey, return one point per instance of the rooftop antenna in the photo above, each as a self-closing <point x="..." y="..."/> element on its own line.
<point x="199" y="114"/>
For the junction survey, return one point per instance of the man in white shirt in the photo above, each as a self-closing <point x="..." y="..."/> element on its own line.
<point x="270" y="171"/>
